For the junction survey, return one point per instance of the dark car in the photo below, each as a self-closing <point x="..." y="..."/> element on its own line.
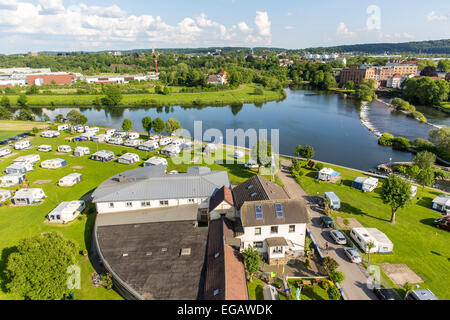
<point x="327" y="222"/>
<point x="4" y="142"/>
<point x="385" y="294"/>
<point x="443" y="223"/>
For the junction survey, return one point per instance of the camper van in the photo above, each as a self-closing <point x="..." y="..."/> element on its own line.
<point x="45" y="148"/>
<point x="21" y="145"/>
<point x="128" y="158"/>
<point x="53" y="164"/>
<point x="149" y="146"/>
<point x="132" y="143"/>
<point x="81" y="151"/>
<point x="363" y="236"/>
<point x="31" y="158"/>
<point x="50" y="134"/>
<point x="116" y="141"/>
<point x="70" y="180"/>
<point x="335" y="202"/>
<point x="103" y="156"/>
<point x="5" y="151"/>
<point x="64" y="149"/>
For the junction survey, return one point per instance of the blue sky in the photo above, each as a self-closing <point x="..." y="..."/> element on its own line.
<point x="35" y="25"/>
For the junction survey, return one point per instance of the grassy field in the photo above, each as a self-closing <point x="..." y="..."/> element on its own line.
<point x="417" y="243"/>
<point x="242" y="95"/>
<point x="255" y="291"/>
<point x="9" y="129"/>
<point x="20" y="222"/>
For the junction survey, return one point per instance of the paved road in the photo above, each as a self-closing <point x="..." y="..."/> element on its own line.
<point x="354" y="285"/>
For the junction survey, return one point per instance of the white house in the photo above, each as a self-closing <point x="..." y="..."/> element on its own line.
<point x="5" y="151"/>
<point x="275" y="227"/>
<point x="66" y="211"/>
<point x="81" y="151"/>
<point x="64" y="149"/>
<point x="129" y="158"/>
<point x="70" y="180"/>
<point x="103" y="156"/>
<point x="222" y="204"/>
<point x="30" y="158"/>
<point x="363" y="236"/>
<point x="442" y="203"/>
<point x="12" y="180"/>
<point x="155" y="161"/>
<point x="45" y="148"/>
<point x="53" y="163"/>
<point x="171" y="150"/>
<point x="132" y="143"/>
<point x="100" y="138"/>
<point x="116" y="141"/>
<point x="327" y="174"/>
<point x="148" y="146"/>
<point x="165" y="141"/>
<point x="19" y="167"/>
<point x="4" y="195"/>
<point x="133" y="135"/>
<point x="28" y="196"/>
<point x="21" y="145"/>
<point x="50" y="134"/>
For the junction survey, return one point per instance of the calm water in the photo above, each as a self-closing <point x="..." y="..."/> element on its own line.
<point x="329" y="122"/>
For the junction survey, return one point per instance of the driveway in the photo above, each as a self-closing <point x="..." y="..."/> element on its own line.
<point x="356" y="276"/>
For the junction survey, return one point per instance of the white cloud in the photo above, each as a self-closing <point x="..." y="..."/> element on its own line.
<point x="107" y="12"/>
<point x="8" y="5"/>
<point x="288" y="28"/>
<point x="432" y="16"/>
<point x="263" y="24"/>
<point x="244" y="27"/>
<point x="342" y="30"/>
<point x="51" y="7"/>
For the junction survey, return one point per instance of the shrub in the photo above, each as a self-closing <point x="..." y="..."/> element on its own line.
<point x="401" y="144"/>
<point x="258" y="91"/>
<point x="334" y="293"/>
<point x="326" y="284"/>
<point x="337" y="276"/>
<point x="386" y="139"/>
<point x="330" y="264"/>
<point x="319" y="166"/>
<point x="422" y="144"/>
<point x="107" y="281"/>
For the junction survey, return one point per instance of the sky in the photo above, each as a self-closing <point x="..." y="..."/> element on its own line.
<point x="69" y="25"/>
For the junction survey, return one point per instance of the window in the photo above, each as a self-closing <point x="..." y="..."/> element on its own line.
<point x="257" y="231"/>
<point x="216" y="292"/>
<point x="145" y="204"/>
<point x="258" y="245"/>
<point x="111" y="205"/>
<point x="191" y="200"/>
<point x="253" y="194"/>
<point x="164" y="202"/>
<point x="273" y="230"/>
<point x="259" y="213"/>
<point x="292" y="228"/>
<point x="129" y="204"/>
<point x="279" y="210"/>
<point x="250" y="187"/>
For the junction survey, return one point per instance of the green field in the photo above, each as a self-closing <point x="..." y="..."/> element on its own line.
<point x="242" y="95"/>
<point x="255" y="292"/>
<point x="417" y="243"/>
<point x="19" y="222"/>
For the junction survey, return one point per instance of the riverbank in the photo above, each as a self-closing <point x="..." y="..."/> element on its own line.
<point x="244" y="94"/>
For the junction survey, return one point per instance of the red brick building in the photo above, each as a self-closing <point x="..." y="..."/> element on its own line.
<point x="40" y="79"/>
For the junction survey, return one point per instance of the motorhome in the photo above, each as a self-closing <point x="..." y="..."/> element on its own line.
<point x="28" y="196"/>
<point x="129" y="158"/>
<point x="81" y="151"/>
<point x="45" y="148"/>
<point x="21" y="145"/>
<point x="30" y="158"/>
<point x="64" y="149"/>
<point x="70" y="180"/>
<point x="53" y="163"/>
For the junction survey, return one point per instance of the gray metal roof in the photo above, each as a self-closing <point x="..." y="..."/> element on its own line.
<point x="152" y="183"/>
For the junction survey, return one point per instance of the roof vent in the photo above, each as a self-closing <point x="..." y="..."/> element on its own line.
<point x="253" y="194"/>
<point x="186" y="251"/>
<point x="164" y="250"/>
<point x="125" y="255"/>
<point x="149" y="253"/>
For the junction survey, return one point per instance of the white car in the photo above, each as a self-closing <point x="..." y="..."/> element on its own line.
<point x="338" y="237"/>
<point x="353" y="255"/>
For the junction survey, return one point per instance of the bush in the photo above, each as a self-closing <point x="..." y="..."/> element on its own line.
<point x="422" y="144"/>
<point x="319" y="166"/>
<point x="337" y="276"/>
<point x="401" y="144"/>
<point x="107" y="281"/>
<point x="330" y="264"/>
<point x="258" y="91"/>
<point x="334" y="293"/>
<point x="326" y="284"/>
<point x="386" y="139"/>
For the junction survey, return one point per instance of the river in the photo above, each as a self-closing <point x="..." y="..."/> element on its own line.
<point x="329" y="122"/>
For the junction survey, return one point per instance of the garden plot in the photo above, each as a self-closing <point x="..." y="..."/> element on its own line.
<point x="400" y="273"/>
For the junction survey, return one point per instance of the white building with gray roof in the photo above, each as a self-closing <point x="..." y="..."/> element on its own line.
<point x="148" y="188"/>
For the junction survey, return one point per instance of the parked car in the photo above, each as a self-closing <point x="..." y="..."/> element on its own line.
<point x="353" y="255"/>
<point x="443" y="223"/>
<point x="385" y="294"/>
<point x="338" y="237"/>
<point x="327" y="222"/>
<point x="3" y="142"/>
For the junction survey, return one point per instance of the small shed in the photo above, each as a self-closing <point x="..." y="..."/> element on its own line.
<point x="53" y="163"/>
<point x="335" y="202"/>
<point x="441" y="203"/>
<point x="66" y="211"/>
<point x="4" y="195"/>
<point x="5" y="151"/>
<point x="28" y="196"/>
<point x="155" y="161"/>
<point x="11" y="180"/>
<point x="170" y="150"/>
<point x="81" y="151"/>
<point x="70" y="180"/>
<point x="64" y="149"/>
<point x="19" y="168"/>
<point x="129" y="158"/>
<point x="365" y="184"/>
<point x="103" y="156"/>
<point x="45" y="148"/>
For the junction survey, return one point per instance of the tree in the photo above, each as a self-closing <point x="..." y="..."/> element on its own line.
<point x="337" y="276"/>
<point x="45" y="117"/>
<point x="396" y="192"/>
<point x="366" y="91"/>
<point x="424" y="160"/>
<point x="127" y="124"/>
<point x="425" y="177"/>
<point x="159" y="125"/>
<point x="4" y="102"/>
<point x="172" y="125"/>
<point x="444" y="65"/>
<point x="33" y="89"/>
<point x="441" y="139"/>
<point x="38" y="269"/>
<point x="262" y="152"/>
<point x="5" y="114"/>
<point x="349" y="85"/>
<point x="408" y="287"/>
<point x="25" y="115"/>
<point x="60" y="118"/>
<point x="370" y="245"/>
<point x="252" y="260"/>
<point x="22" y="100"/>
<point x="305" y="152"/>
<point x="113" y="96"/>
<point x="147" y="124"/>
<point x="334" y="293"/>
<point x="330" y="264"/>
<point x="429" y="71"/>
<point x="75" y="117"/>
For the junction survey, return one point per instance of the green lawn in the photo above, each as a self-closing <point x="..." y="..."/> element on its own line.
<point x="255" y="291"/>
<point x="20" y="222"/>
<point x="9" y="134"/>
<point x="417" y="243"/>
<point x="241" y="95"/>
